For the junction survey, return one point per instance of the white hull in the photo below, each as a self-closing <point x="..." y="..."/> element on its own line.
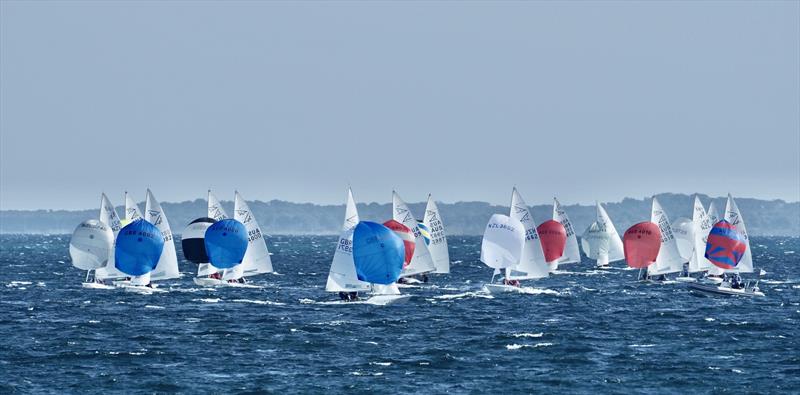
<point x="686" y="279"/>
<point x="502" y="288"/>
<point x="714" y="289"/>
<point x="213" y="283"/>
<point x="384" y="300"/>
<point x="93" y="285"/>
<point x="141" y="289"/>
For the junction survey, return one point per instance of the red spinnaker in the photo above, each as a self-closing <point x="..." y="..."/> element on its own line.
<point x="725" y="246"/>
<point x="554" y="239"/>
<point x="406" y="235"/>
<point x="642" y="242"/>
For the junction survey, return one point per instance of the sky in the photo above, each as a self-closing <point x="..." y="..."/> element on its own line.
<point x="297" y="100"/>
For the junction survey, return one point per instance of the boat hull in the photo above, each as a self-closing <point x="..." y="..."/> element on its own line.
<point x="713" y="289"/>
<point x="686" y="279"/>
<point x="385" y="300"/>
<point x="93" y="285"/>
<point x="501" y="289"/>
<point x="213" y="283"/>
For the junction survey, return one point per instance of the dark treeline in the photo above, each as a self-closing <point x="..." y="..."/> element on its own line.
<point x="763" y="217"/>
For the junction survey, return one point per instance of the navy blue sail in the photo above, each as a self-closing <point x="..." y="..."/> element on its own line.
<point x="378" y="253"/>
<point x="226" y="243"/>
<point x="194" y="248"/>
<point x="139" y="246"/>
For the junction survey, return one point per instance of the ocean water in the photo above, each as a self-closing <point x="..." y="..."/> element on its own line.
<point x="585" y="331"/>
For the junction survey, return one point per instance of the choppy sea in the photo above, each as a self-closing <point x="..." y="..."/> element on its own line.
<point x="582" y="331"/>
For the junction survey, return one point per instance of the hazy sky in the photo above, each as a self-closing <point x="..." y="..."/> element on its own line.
<point x="293" y="101"/>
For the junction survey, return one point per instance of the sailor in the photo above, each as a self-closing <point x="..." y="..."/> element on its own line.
<point x="353" y="296"/>
<point x="425" y="278"/>
<point x="344" y="296"/>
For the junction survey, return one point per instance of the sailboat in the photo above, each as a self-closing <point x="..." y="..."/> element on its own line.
<point x="226" y="243"/>
<point x="108" y="216"/>
<point x="532" y="263"/>
<point x="193" y="242"/>
<point x="669" y="258"/>
<point x="601" y="242"/>
<point x="553" y="237"/>
<point x="641" y="243"/>
<point x="701" y="226"/>
<point x="572" y="253"/>
<point x="422" y="262"/>
<point x="502" y="248"/>
<point x="378" y="256"/>
<point x="727" y="248"/>
<point x="683" y="229"/>
<point x="436" y="239"/>
<point x="256" y="260"/>
<point x="137" y="252"/>
<point x="194" y="250"/>
<point x="167" y="267"/>
<point x="89" y="248"/>
<point x="343" y="278"/>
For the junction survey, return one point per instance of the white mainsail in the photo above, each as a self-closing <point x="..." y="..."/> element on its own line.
<point x="669" y="258"/>
<point x="702" y="226"/>
<point x="342" y="276"/>
<point x="256" y="259"/>
<point x="217" y="213"/>
<point x="572" y="253"/>
<point x="601" y="241"/>
<point x="438" y="246"/>
<point x="108" y="216"/>
<point x="532" y="263"/>
<point x="215" y="209"/>
<point x="733" y="216"/>
<point x="502" y="243"/>
<point x="132" y="212"/>
<point x="167" y="267"/>
<point x="713" y="214"/>
<point x="421" y="262"/>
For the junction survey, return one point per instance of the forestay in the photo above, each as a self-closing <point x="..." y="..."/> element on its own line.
<point x="421" y="262"/>
<point x="342" y="276"/>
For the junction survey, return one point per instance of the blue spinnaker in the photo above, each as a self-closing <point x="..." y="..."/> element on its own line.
<point x="138" y="248"/>
<point x="226" y="243"/>
<point x="377" y="253"/>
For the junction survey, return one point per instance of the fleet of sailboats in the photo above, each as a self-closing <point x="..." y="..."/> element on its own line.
<point x="229" y="249"/>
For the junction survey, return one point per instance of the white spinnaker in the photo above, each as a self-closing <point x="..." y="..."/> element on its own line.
<point x="683" y="230"/>
<point x="421" y="261"/>
<point x="532" y="263"/>
<point x="90" y="245"/>
<point x="595" y="242"/>
<point x="669" y="258"/>
<point x="215" y="209"/>
<point x="342" y="276"/>
<point x="572" y="253"/>
<point x="502" y="242"/>
<point x="438" y="246"/>
<point x="604" y="224"/>
<point x="167" y="267"/>
<point x="256" y="259"/>
<point x="734" y="216"/>
<point x="389" y="289"/>
<point x="144" y="279"/>
<point x="109" y="217"/>
<point x="132" y="212"/>
<point x="702" y="226"/>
